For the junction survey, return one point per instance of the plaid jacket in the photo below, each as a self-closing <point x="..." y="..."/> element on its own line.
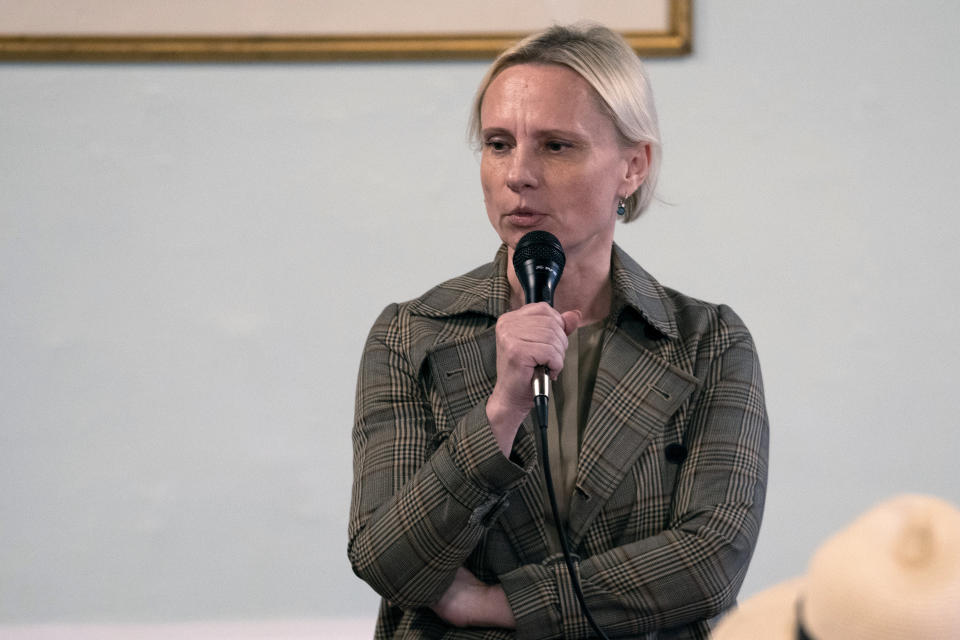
<point x="671" y="475"/>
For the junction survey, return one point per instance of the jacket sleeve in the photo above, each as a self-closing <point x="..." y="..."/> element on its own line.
<point x="419" y="505"/>
<point x="692" y="570"/>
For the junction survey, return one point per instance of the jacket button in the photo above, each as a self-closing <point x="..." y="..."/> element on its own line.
<point x="676" y="453"/>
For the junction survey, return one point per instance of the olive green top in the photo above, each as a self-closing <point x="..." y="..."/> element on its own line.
<point x="569" y="406"/>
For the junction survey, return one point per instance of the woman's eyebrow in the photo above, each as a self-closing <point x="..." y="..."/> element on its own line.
<point x="540" y="133"/>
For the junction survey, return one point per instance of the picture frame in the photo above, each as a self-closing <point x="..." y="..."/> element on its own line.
<point x="314" y="30"/>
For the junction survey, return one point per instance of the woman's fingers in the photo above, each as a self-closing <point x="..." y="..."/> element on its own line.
<point x="531" y="336"/>
<point x="571" y="320"/>
<point x="528" y="337"/>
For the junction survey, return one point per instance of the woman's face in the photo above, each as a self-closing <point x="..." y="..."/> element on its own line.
<point x="552" y="159"/>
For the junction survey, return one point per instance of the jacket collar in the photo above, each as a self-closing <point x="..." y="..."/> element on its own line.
<point x="486" y="291"/>
<point x="634" y="288"/>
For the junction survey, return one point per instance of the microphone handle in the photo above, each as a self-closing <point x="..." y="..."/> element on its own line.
<point x="541" y="396"/>
<point x="541" y="382"/>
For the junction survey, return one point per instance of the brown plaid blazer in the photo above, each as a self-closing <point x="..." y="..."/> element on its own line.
<point x="671" y="475"/>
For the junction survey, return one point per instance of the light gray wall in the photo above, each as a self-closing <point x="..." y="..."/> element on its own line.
<point x="192" y="255"/>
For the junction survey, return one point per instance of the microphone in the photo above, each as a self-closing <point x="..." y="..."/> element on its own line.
<point x="538" y="261"/>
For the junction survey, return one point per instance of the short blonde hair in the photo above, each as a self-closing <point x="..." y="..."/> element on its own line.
<point x="611" y="67"/>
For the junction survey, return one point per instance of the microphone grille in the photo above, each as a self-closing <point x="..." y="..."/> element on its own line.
<point x="539" y="245"/>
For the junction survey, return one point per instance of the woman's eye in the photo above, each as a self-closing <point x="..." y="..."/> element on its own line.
<point x="556" y="145"/>
<point x="496" y="145"/>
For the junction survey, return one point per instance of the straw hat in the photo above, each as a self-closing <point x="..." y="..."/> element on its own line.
<point x="893" y="574"/>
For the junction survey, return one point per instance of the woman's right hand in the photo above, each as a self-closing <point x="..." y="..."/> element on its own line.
<point x="533" y="335"/>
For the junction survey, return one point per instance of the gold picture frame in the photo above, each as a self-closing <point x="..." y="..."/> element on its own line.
<point x="674" y="40"/>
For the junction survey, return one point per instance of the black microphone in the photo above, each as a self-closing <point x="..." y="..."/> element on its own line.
<point x="538" y="261"/>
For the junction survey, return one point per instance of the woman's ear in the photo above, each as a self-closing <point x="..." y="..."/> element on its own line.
<point x="638" y="165"/>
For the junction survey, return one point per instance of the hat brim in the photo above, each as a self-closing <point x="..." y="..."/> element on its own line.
<point x="768" y="615"/>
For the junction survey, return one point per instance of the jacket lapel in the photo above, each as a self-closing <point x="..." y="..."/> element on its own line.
<point x="635" y="395"/>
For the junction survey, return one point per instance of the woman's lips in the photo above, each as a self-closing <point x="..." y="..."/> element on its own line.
<point x="525" y="217"/>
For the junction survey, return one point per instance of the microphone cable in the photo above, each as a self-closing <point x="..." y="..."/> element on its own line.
<point x="541" y="406"/>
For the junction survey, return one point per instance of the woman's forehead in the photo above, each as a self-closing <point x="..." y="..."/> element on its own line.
<point x="553" y="95"/>
<point x="562" y="81"/>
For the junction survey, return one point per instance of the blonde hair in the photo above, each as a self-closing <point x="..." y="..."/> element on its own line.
<point x="617" y="75"/>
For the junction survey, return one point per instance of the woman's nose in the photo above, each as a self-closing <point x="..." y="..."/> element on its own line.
<point x="522" y="172"/>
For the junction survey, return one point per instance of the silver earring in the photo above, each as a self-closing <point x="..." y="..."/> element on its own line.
<point x="621" y="207"/>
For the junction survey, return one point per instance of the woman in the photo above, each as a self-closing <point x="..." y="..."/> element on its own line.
<point x="659" y="445"/>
